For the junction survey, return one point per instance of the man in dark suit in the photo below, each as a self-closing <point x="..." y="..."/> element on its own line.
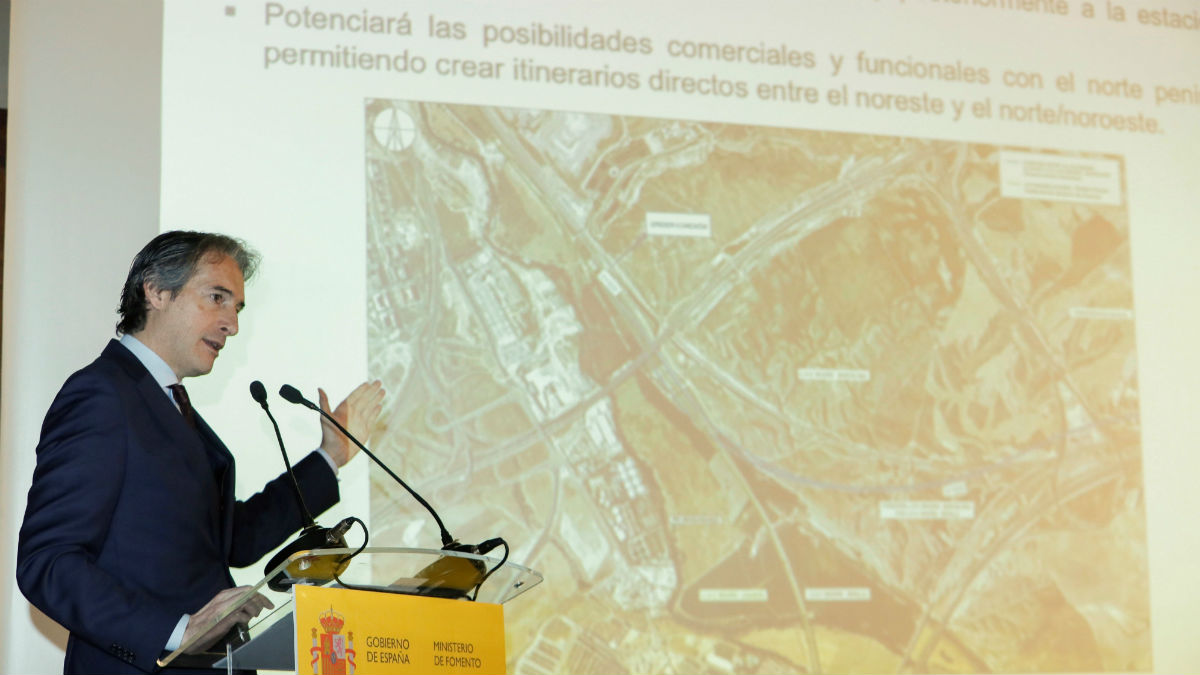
<point x="131" y="523"/>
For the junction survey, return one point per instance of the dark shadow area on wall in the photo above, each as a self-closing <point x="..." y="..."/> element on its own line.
<point x="3" y="185"/>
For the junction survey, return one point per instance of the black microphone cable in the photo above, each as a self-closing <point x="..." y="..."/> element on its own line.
<point x="484" y="548"/>
<point x="366" y="537"/>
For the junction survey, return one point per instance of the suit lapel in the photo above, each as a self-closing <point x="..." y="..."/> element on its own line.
<point x="157" y="401"/>
<point x="200" y="442"/>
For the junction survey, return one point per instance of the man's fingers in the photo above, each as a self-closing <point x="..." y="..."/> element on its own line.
<point x="367" y="393"/>
<point x="224" y="603"/>
<point x="258" y="604"/>
<point x="357" y="413"/>
<point x="367" y="400"/>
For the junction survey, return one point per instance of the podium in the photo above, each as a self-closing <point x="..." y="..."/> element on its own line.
<point x="378" y="610"/>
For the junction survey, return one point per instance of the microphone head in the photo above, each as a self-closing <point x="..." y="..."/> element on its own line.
<point x="258" y="392"/>
<point x="292" y="395"/>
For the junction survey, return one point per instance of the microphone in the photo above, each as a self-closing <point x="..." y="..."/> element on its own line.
<point x="293" y="395"/>
<point x="312" y="536"/>
<point x="259" y="393"/>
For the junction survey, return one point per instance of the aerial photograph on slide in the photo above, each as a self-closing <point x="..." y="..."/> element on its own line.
<point x="759" y="399"/>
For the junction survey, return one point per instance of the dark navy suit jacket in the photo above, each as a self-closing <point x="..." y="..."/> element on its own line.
<point x="131" y="519"/>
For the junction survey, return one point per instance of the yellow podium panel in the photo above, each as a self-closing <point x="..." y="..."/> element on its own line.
<point x="348" y="632"/>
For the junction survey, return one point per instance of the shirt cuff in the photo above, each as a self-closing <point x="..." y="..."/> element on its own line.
<point x="332" y="464"/>
<point x="177" y="634"/>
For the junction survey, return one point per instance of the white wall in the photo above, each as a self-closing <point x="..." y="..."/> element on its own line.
<point x="83" y="173"/>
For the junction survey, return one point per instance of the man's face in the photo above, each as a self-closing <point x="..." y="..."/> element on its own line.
<point x="188" y="331"/>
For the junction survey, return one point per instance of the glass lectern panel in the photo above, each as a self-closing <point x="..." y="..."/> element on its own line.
<point x="268" y="643"/>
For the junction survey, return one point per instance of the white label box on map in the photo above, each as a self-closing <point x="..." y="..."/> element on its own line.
<point x="956" y="489"/>
<point x="926" y="510"/>
<point x="733" y="595"/>
<point x="834" y="374"/>
<point x="660" y="224"/>
<point x="835" y="594"/>
<point x="697" y="519"/>
<point x="610" y="282"/>
<point x="1034" y="175"/>
<point x="1101" y="313"/>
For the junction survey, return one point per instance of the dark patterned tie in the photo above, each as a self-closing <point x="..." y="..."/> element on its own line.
<point x="185" y="405"/>
<point x="216" y="463"/>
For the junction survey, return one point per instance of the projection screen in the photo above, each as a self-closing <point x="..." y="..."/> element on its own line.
<point x="780" y="337"/>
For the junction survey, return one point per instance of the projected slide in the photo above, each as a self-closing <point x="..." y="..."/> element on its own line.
<point x="762" y="399"/>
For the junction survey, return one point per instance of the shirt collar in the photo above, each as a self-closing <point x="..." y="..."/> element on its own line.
<point x="154" y="363"/>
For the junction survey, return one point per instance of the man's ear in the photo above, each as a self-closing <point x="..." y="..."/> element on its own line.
<point x="156" y="297"/>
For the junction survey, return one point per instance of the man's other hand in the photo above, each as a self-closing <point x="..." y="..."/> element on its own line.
<point x="357" y="413"/>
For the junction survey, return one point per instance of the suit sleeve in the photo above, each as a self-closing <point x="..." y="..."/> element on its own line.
<point x="80" y="473"/>
<point x="266" y="520"/>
